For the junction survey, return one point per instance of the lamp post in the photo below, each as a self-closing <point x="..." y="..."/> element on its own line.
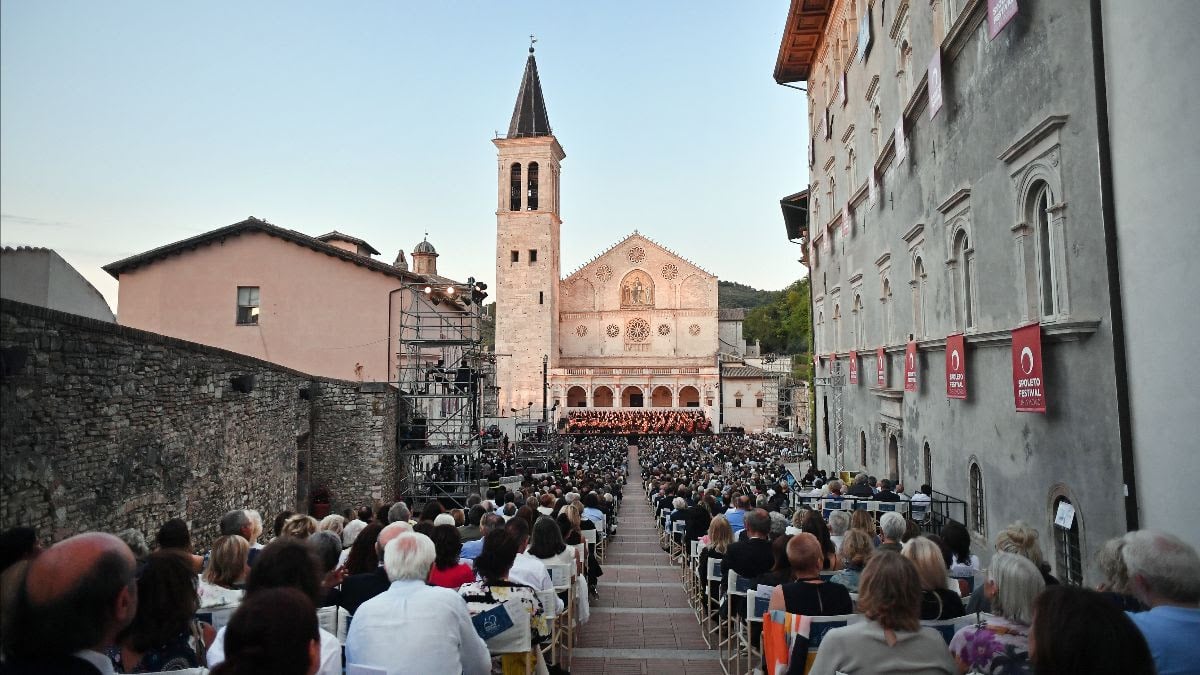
<point x="545" y="383"/>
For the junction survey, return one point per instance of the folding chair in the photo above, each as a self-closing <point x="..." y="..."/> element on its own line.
<point x="712" y="586"/>
<point x="737" y="588"/>
<point x="517" y="640"/>
<point x="756" y="606"/>
<point x="689" y="572"/>
<point x="819" y="626"/>
<point x="675" y="543"/>
<point x="549" y="601"/>
<point x="217" y="617"/>
<point x="948" y="627"/>
<point x="335" y="620"/>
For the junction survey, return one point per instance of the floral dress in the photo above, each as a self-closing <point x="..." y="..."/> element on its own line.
<point x="481" y="593"/>
<point x="997" y="646"/>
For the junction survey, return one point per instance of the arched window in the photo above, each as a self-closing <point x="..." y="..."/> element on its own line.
<point x="978" y="514"/>
<point x="514" y="193"/>
<point x="904" y="74"/>
<point x="1067" y="555"/>
<point x="862" y="447"/>
<point x="964" y="255"/>
<point x="893" y="459"/>
<point x="531" y="199"/>
<point x="851" y="169"/>
<point x="819" y="337"/>
<point x="876" y="134"/>
<point x="860" y="337"/>
<point x="1047" y="275"/>
<point x="918" y="287"/>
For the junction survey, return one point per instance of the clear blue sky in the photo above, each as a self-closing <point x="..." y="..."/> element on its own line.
<point x="128" y="125"/>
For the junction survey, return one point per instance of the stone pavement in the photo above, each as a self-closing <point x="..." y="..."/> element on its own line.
<point x="642" y="622"/>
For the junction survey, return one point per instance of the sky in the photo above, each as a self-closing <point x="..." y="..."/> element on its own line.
<point x="128" y="125"/>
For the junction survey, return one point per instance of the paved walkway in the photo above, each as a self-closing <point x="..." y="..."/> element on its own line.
<point x="642" y="623"/>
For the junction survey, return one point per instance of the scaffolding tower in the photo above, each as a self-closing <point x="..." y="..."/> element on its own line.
<point x="442" y="370"/>
<point x="776" y="373"/>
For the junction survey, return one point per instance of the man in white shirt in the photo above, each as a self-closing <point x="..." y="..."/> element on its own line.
<point x="414" y="628"/>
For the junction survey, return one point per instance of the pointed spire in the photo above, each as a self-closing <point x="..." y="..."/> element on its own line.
<point x="529" y="115"/>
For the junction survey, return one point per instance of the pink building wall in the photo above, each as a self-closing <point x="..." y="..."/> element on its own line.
<point x="318" y="314"/>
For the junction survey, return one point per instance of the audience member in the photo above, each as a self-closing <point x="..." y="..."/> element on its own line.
<point x="937" y="601"/>
<point x="447" y="571"/>
<point x="1017" y="538"/>
<point x="496" y="587"/>
<point x="399" y="512"/>
<point x="299" y="526"/>
<point x="856" y="551"/>
<point x="136" y="541"/>
<point x="287" y="562"/>
<point x="438" y="636"/>
<point x="815" y="525"/>
<point x="839" y="522"/>
<point x="885" y="493"/>
<point x="963" y="564"/>
<point x="489" y="522"/>
<point x="352" y="528"/>
<point x="174" y="535"/>
<point x="1164" y="574"/>
<point x="891" y="639"/>
<point x="1003" y="639"/>
<point x="221" y="583"/>
<point x="809" y="594"/>
<point x="358" y="588"/>
<point x="1076" y="630"/>
<point x="1114" y="576"/>
<point x="75" y="598"/>
<point x="471" y="531"/>
<point x="21" y="543"/>
<point x="752" y="557"/>
<point x="891" y="531"/>
<point x="164" y="634"/>
<point x="274" y="631"/>
<point x="327" y="545"/>
<point x="364" y="556"/>
<point x="277" y="527"/>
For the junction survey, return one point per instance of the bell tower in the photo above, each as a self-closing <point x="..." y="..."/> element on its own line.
<point x="527" y="247"/>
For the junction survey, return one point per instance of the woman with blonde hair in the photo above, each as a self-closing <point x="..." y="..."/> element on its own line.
<point x="1021" y="539"/>
<point x="332" y="523"/>
<point x="860" y="519"/>
<point x="298" y="526"/>
<point x="221" y="583"/>
<point x="715" y="544"/>
<point x="937" y="601"/>
<point x="856" y="551"/>
<point x="891" y="639"/>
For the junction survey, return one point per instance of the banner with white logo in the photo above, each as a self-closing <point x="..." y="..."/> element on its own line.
<point x="1029" y="387"/>
<point x="956" y="367"/>
<point x="910" y="366"/>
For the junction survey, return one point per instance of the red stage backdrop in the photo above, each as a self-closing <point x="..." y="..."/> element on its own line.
<point x="880" y="368"/>
<point x="1029" y="388"/>
<point x="853" y="367"/>
<point x="956" y="367"/>
<point x="910" y="366"/>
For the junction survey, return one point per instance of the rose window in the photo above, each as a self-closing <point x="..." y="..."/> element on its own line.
<point x="670" y="271"/>
<point x="664" y="329"/>
<point x="637" y="330"/>
<point x="581" y="330"/>
<point x="604" y="273"/>
<point x="694" y="329"/>
<point x="637" y="254"/>
<point x="613" y="330"/>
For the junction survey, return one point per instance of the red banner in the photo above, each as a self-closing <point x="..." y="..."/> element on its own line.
<point x="880" y="368"/>
<point x="956" y="367"/>
<point x="999" y="13"/>
<point x="1029" y="389"/>
<point x="910" y="366"/>
<point x="853" y="367"/>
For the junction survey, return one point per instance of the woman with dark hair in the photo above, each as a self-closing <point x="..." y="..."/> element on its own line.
<point x="546" y="544"/>
<point x="277" y="527"/>
<point x="174" y="536"/>
<point x="446" y="571"/>
<point x="494" y="588"/>
<point x="363" y="556"/>
<point x="963" y="565"/>
<point x="274" y="631"/>
<point x="287" y="563"/>
<point x="891" y="639"/>
<point x="432" y="510"/>
<point x="815" y="525"/>
<point x="165" y="634"/>
<point x="1076" y="630"/>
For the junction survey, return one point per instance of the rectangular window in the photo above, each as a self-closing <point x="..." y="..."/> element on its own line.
<point x="532" y="255"/>
<point x="541" y="297"/>
<point x="737" y="402"/>
<point x="515" y="256"/>
<point x="758" y="403"/>
<point x="247" y="305"/>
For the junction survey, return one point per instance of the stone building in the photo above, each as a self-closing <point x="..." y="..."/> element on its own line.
<point x="636" y="326"/>
<point x="954" y="197"/>
<point x="40" y="276"/>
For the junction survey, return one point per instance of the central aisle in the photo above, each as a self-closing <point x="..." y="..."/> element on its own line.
<point x="642" y="622"/>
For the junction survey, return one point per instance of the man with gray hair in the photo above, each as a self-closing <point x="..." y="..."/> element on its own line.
<point x="1164" y="574"/>
<point x="891" y="530"/>
<point x="438" y="636"/>
<point x="839" y="522"/>
<point x="238" y="522"/>
<point x="472" y="549"/>
<point x="399" y="513"/>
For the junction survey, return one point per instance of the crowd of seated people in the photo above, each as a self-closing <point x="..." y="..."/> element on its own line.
<point x="637" y="421"/>
<point x="731" y="493"/>
<point x="410" y="580"/>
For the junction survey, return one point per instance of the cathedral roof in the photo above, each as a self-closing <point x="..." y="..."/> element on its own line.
<point x="529" y="117"/>
<point x="644" y="238"/>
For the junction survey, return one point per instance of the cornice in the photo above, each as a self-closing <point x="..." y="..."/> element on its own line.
<point x="1032" y="137"/>
<point x="957" y="197"/>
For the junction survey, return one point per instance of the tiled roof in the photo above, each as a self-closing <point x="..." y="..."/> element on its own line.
<point x="347" y="238"/>
<point x="734" y="314"/>
<point x="741" y="370"/>
<point x="249" y="225"/>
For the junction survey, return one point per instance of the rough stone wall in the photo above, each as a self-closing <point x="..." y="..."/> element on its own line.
<point x="354" y="452"/>
<point x="105" y="427"/>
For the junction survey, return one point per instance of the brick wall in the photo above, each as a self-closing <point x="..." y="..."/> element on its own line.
<point x="106" y="427"/>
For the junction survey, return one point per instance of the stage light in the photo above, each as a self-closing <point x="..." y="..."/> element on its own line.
<point x="429" y="290"/>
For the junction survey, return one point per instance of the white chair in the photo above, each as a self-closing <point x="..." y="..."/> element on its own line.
<point x="518" y="638"/>
<point x="821" y="625"/>
<point x="335" y="620"/>
<point x="675" y="546"/>
<point x="756" y="606"/>
<point x="560" y="576"/>
<point x="216" y="616"/>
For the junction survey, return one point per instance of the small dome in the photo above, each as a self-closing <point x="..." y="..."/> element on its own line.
<point x="425" y="247"/>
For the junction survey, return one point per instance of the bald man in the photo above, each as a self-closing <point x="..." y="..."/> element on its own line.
<point x="359" y="588"/>
<point x="809" y="594"/>
<point x="76" y="598"/>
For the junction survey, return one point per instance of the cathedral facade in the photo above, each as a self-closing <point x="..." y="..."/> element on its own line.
<point x="636" y="327"/>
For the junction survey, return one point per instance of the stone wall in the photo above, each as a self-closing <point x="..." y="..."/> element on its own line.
<point x="107" y="427"/>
